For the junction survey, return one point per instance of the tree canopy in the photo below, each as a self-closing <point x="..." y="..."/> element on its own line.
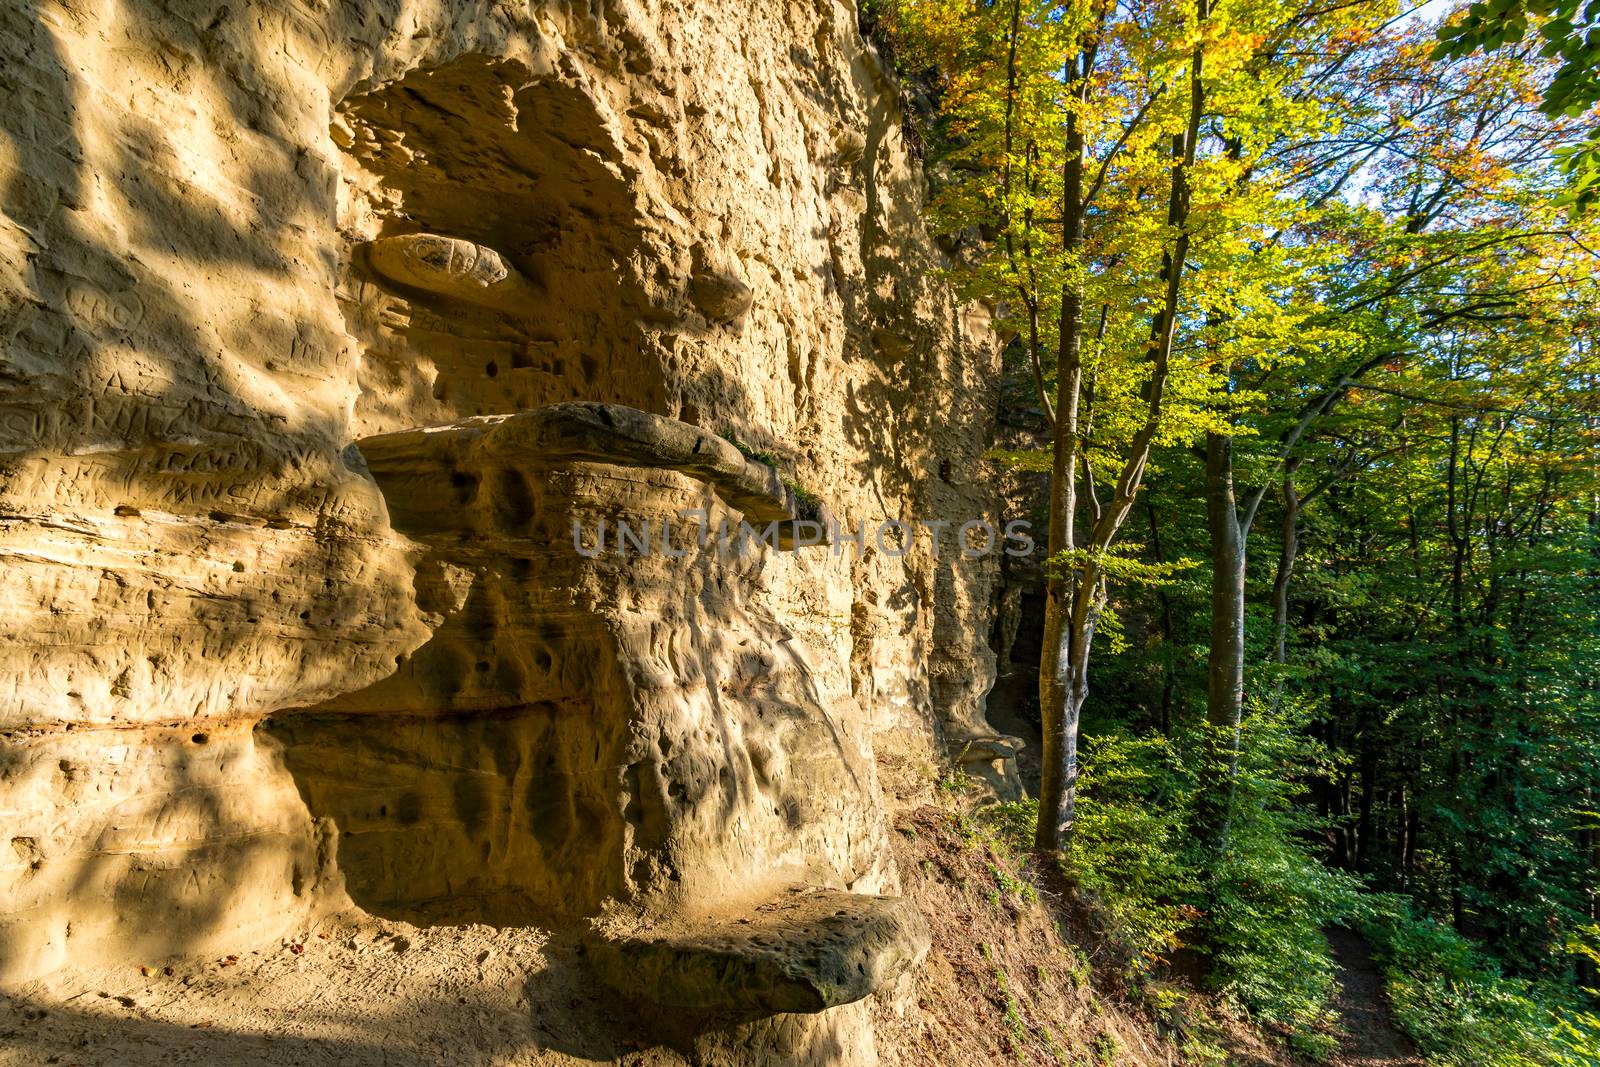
<point x="1327" y="267"/>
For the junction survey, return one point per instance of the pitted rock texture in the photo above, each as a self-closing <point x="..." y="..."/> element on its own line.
<point x="702" y="211"/>
<point x="413" y="465"/>
<point x="626" y="726"/>
<point x="121" y="839"/>
<point x="801" y="952"/>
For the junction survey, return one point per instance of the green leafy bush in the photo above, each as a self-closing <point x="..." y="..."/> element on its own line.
<point x="1128" y="841"/>
<point x="1462" y="1011"/>
<point x="1126" y="844"/>
<point x="1259" y="905"/>
<point x="1268" y="897"/>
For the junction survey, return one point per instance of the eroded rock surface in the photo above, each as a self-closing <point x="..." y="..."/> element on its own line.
<point x="235" y="243"/>
<point x="619" y="723"/>
<point x="129" y="840"/>
<point x="801" y="952"/>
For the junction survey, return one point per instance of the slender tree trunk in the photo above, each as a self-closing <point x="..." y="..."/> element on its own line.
<point x="1168" y="634"/>
<point x="1225" y="661"/>
<point x="1589" y="838"/>
<point x="1061" y="689"/>
<point x="1075" y="596"/>
<point x="1290" y="551"/>
<point x="1225" y="658"/>
<point x="1368" y="740"/>
<point x="1229" y="532"/>
<point x="1406" y="830"/>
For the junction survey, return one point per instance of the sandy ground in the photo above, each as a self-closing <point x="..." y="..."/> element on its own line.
<point x="358" y="990"/>
<point x="355" y="991"/>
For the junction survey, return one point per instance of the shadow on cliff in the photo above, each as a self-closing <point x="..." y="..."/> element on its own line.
<point x="89" y="298"/>
<point x="141" y="846"/>
<point x="483" y="780"/>
<point x="79" y="304"/>
<point x="111" y="349"/>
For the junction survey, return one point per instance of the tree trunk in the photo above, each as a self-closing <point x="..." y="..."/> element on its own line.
<point x="1168" y="632"/>
<point x="1064" y="663"/>
<point x="1280" y="581"/>
<point x="1069" y="634"/>
<point x="1061" y="692"/>
<point x="1225" y="659"/>
<point x="1368" y="783"/>
<point x="1058" y="714"/>
<point x="1589" y="853"/>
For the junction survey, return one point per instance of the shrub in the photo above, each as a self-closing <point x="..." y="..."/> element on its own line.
<point x="1462" y="1011"/>
<point x="1268" y="898"/>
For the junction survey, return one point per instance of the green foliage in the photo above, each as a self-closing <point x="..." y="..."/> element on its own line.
<point x="1384" y="299"/>
<point x="1260" y="908"/>
<point x="1269" y="897"/>
<point x="1027" y="459"/>
<point x="1120" y="564"/>
<point x="1128" y="841"/>
<point x="1570" y="32"/>
<point x="1462" y="1011"/>
<point x="751" y="452"/>
<point x="1128" y="836"/>
<point x="807" y="502"/>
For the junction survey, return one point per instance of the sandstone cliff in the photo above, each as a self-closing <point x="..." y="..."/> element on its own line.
<point x="267" y="644"/>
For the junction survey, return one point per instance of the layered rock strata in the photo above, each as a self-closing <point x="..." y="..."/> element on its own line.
<point x="238" y="248"/>
<point x="616" y="726"/>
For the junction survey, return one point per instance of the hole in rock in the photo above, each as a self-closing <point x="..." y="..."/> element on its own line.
<point x="496" y="167"/>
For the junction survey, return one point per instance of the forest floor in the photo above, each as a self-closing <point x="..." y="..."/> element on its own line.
<point x="1365" y="1031"/>
<point x="1367" y="1034"/>
<point x="1006" y="982"/>
<point x="1003" y="982"/>
<point x="1015" y="975"/>
<point x="1008" y="979"/>
<point x="1365" y="1028"/>
<point x="355" y="991"/>
<point x="1001" y="985"/>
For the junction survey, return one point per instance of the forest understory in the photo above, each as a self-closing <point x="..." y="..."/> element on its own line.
<point x="1300" y="308"/>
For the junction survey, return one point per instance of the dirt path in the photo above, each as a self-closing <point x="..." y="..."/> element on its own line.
<point x="1368" y="1035"/>
<point x="372" y="993"/>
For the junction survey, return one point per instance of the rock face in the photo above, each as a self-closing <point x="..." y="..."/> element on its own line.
<point x="267" y="634"/>
<point x="804" y="952"/>
<point x="598" y="721"/>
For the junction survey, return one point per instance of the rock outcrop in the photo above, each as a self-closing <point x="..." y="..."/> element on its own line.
<point x="607" y="716"/>
<point x="800" y="953"/>
<point x="295" y="300"/>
